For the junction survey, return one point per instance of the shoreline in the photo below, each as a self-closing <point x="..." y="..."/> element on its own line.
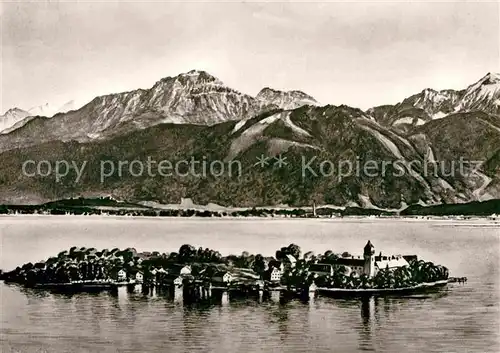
<point x="81" y="286"/>
<point x="266" y="217"/>
<point x="187" y="209"/>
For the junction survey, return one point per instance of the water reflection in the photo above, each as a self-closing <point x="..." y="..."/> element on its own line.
<point x="123" y="296"/>
<point x="369" y="321"/>
<point x="222" y="321"/>
<point x="377" y="311"/>
<point x="225" y="299"/>
<point x="275" y="296"/>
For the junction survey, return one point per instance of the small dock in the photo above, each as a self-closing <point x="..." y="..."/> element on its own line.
<point x="457" y="280"/>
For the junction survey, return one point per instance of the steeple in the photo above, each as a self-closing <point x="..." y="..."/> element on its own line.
<point x="369" y="255"/>
<point x="369" y="249"/>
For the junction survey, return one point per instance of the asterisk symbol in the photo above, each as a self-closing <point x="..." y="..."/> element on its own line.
<point x="280" y="161"/>
<point x="262" y="161"/>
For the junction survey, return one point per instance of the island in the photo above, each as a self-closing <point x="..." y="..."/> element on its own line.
<point x="202" y="270"/>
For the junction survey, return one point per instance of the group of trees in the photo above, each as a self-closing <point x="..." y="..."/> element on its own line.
<point x="401" y="277"/>
<point x="75" y="265"/>
<point x="189" y="254"/>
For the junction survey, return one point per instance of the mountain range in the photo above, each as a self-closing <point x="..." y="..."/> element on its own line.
<point x="194" y="115"/>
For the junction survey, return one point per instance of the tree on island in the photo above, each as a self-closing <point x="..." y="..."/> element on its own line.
<point x="309" y="257"/>
<point x="186" y="253"/>
<point x="259" y="265"/>
<point x="291" y="249"/>
<point x="329" y="257"/>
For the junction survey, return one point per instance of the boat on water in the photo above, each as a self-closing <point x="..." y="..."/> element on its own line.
<point x="417" y="289"/>
<point x="78" y="286"/>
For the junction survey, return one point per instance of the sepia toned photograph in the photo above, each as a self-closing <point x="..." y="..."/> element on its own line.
<point x="249" y="176"/>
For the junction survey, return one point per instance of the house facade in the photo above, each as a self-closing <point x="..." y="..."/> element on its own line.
<point x="354" y="266"/>
<point x="179" y="269"/>
<point x="176" y="280"/>
<point x="321" y="269"/>
<point x="275" y="275"/>
<point x="223" y="277"/>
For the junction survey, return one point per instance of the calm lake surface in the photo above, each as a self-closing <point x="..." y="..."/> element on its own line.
<point x="463" y="318"/>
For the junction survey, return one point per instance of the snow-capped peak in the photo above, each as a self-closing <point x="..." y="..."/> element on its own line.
<point x="487" y="80"/>
<point x="49" y="111"/>
<point x="11" y="117"/>
<point x="42" y="110"/>
<point x="15" y="118"/>
<point x="14" y="111"/>
<point x="483" y="95"/>
<point x="430" y="95"/>
<point x="67" y="107"/>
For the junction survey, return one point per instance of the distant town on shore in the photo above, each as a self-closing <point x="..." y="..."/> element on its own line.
<point x="109" y="206"/>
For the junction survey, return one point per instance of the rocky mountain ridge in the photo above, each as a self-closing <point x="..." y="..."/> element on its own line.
<point x="193" y="115"/>
<point x="286" y="100"/>
<point x="195" y="97"/>
<point x="429" y="104"/>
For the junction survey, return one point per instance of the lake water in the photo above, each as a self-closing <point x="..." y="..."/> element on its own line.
<point x="463" y="318"/>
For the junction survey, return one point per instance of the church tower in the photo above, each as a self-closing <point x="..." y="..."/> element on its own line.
<point x="369" y="255"/>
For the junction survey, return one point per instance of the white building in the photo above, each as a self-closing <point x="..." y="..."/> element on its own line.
<point x="139" y="277"/>
<point x="222" y="277"/>
<point x="179" y="269"/>
<point x="178" y="281"/>
<point x="122" y="275"/>
<point x="274" y="275"/>
<point x="390" y="262"/>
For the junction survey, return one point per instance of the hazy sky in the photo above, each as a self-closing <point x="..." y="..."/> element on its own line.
<point x="360" y="54"/>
